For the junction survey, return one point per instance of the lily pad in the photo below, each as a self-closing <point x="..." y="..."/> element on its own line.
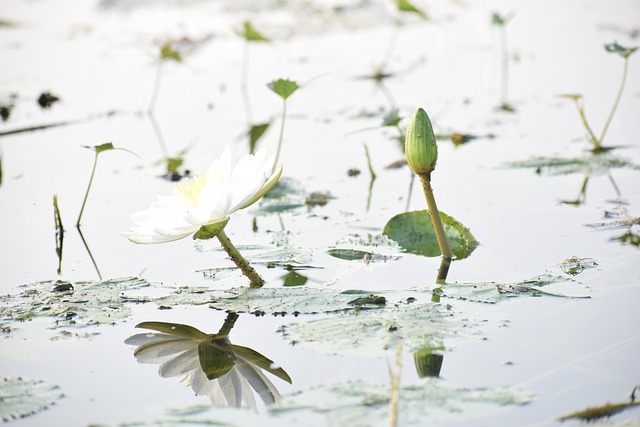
<point x="414" y="232"/>
<point x="291" y="300"/>
<point x="20" y="398"/>
<point x="358" y="403"/>
<point x="492" y="292"/>
<point x="81" y="304"/>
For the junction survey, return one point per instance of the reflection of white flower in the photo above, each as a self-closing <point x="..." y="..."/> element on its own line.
<point x="233" y="372"/>
<point x="209" y="198"/>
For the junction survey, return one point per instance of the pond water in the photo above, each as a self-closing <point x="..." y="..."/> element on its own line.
<point x="516" y="336"/>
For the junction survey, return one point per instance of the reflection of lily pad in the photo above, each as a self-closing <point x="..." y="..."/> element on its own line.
<point x="286" y="195"/>
<point x="414" y="232"/>
<point x="372" y="333"/>
<point x="20" y="398"/>
<point x="358" y="403"/>
<point x="593" y="165"/>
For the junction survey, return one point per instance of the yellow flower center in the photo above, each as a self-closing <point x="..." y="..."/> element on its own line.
<point x="190" y="189"/>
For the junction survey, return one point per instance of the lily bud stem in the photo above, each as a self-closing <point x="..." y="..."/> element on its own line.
<point x="435" y="216"/>
<point x="256" y="280"/>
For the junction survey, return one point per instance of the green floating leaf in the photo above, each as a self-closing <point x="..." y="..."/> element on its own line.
<point x="100" y="148"/>
<point x="283" y="88"/>
<point x="392" y="118"/>
<point x="20" y="398"/>
<point x="597" y="413"/>
<point x="293" y="278"/>
<point x="210" y="231"/>
<point x="359" y="255"/>
<point x="250" y="34"/>
<point x="625" y="52"/>
<point x="497" y="19"/>
<point x="167" y="52"/>
<point x="173" y="164"/>
<point x="414" y="232"/>
<point x="407" y="6"/>
<point x="255" y="133"/>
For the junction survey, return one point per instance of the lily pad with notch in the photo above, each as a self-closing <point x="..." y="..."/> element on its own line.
<point x="414" y="232"/>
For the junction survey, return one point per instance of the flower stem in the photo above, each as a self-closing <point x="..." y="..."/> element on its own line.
<point x="86" y="195"/>
<point x="256" y="280"/>
<point x="284" y="115"/>
<point x="616" y="102"/>
<point x="228" y="324"/>
<point x="435" y="215"/>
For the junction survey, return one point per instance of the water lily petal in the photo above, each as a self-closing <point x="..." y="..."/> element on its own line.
<point x="181" y="364"/>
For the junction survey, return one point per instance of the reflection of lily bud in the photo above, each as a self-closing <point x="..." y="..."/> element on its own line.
<point x="420" y="144"/>
<point x="229" y="374"/>
<point x="428" y="363"/>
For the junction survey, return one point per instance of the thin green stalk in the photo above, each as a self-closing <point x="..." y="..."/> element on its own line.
<point x="284" y="115"/>
<point x="594" y="140"/>
<point x="391" y="46"/>
<point x="435" y="216"/>
<point x="86" y="195"/>
<point x="616" y="102"/>
<point x="505" y="64"/>
<point x="244" y="81"/>
<point x="256" y="280"/>
<point x="156" y="88"/>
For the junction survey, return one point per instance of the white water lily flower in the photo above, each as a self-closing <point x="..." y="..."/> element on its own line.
<point x="233" y="372"/>
<point x="208" y="198"/>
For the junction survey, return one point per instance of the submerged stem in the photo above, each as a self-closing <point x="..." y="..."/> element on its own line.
<point x="391" y="46"/>
<point x="256" y="280"/>
<point x="86" y="195"/>
<point x="616" y="102"/>
<point x="284" y="115"/>
<point x="435" y="216"/>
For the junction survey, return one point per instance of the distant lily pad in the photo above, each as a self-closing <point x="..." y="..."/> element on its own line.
<point x="414" y="232"/>
<point x="20" y="398"/>
<point x="492" y="292"/>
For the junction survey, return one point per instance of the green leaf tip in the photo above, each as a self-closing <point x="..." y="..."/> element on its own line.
<point x="167" y="52"/>
<point x="283" y="87"/>
<point x="420" y="144"/>
<point x="625" y="52"/>
<point x="407" y="6"/>
<point x="250" y="34"/>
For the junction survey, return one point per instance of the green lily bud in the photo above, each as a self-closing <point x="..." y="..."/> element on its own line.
<point x="420" y="144"/>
